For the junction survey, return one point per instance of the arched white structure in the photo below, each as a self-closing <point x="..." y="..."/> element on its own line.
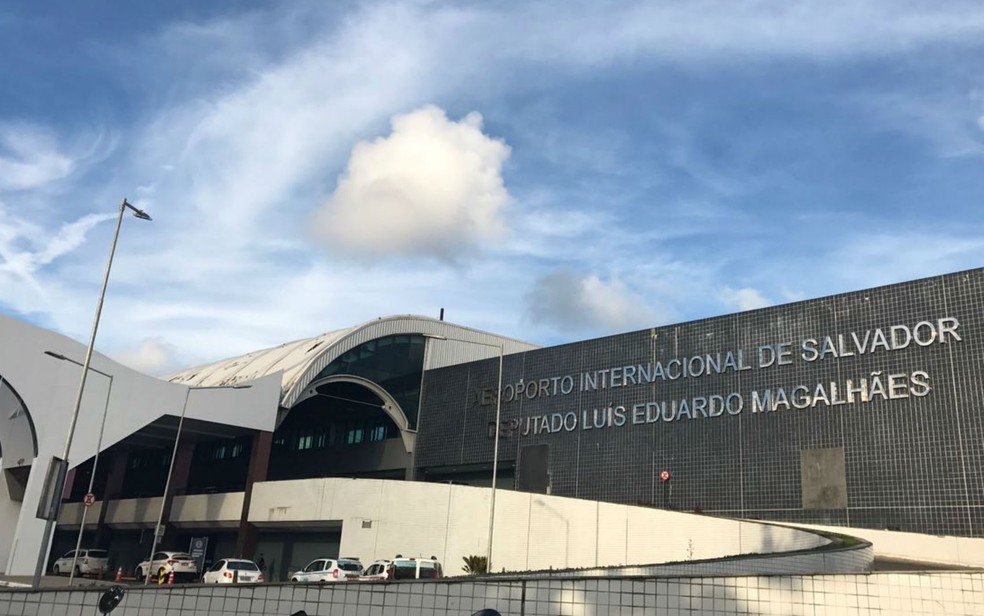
<point x="302" y="360"/>
<point x="46" y="389"/>
<point x="18" y="437"/>
<point x="390" y="406"/>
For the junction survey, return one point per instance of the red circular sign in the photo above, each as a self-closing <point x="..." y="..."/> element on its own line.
<point x="89" y="499"/>
<point x="665" y="475"/>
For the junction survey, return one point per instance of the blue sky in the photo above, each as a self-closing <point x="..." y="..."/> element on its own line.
<point x="551" y="171"/>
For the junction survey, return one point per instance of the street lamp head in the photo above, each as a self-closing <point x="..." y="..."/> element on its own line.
<point x="56" y="355"/>
<point x="137" y="212"/>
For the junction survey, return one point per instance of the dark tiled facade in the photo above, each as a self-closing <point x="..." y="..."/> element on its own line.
<point x="910" y="452"/>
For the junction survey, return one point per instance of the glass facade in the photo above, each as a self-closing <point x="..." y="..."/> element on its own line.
<point x="341" y="431"/>
<point x="395" y="363"/>
<point x="220" y="465"/>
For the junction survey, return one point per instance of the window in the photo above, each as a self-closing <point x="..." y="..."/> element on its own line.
<point x="377" y="433"/>
<point x="405" y="570"/>
<point x="354" y="432"/>
<point x="304" y="442"/>
<point x="242" y="565"/>
<point x="218" y="566"/>
<point x="394" y="362"/>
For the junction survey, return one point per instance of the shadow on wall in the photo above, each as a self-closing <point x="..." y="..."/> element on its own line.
<point x="567" y="528"/>
<point x="764" y="596"/>
<point x="766" y="543"/>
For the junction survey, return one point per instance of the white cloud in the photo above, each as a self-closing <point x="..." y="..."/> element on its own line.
<point x="566" y="300"/>
<point x="30" y="157"/>
<point x="744" y="299"/>
<point x="25" y="248"/>
<point x="593" y="34"/>
<point x="433" y="187"/>
<point x="152" y="356"/>
<point x="236" y="151"/>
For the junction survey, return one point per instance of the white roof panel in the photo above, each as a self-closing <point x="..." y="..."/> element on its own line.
<point x="302" y="360"/>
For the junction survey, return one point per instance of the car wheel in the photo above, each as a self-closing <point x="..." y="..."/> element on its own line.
<point x="56" y="570"/>
<point x="138" y="573"/>
<point x="295" y="580"/>
<point x="161" y="572"/>
<point x="78" y="572"/>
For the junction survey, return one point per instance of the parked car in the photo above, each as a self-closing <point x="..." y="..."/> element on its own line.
<point x="401" y="568"/>
<point x="89" y="562"/>
<point x="181" y="563"/>
<point x="329" y="570"/>
<point x="233" y="571"/>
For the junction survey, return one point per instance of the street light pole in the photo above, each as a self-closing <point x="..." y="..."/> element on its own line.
<point x="60" y="481"/>
<point x="95" y="459"/>
<point x="495" y="450"/>
<point x="170" y="471"/>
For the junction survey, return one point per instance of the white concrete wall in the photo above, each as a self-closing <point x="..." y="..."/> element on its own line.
<point x="208" y="510"/>
<point x="194" y="511"/>
<point x="70" y="515"/>
<point x="532" y="531"/>
<point x="9" y="512"/>
<point x="897" y="594"/>
<point x="966" y="551"/>
<point x="49" y="386"/>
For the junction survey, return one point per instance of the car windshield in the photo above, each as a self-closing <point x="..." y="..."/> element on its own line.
<point x="350" y="565"/>
<point x="242" y="565"/>
<point x="97" y="553"/>
<point x="405" y="570"/>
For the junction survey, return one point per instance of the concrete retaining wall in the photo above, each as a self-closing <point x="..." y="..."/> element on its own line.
<point x="899" y="594"/>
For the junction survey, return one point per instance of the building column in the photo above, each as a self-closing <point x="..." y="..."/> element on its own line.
<point x="179" y="484"/>
<point x="118" y="462"/>
<point x="259" y="462"/>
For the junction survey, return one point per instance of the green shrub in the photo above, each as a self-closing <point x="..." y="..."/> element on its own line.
<point x="475" y="564"/>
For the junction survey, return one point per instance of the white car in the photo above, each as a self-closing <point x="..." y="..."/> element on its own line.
<point x="181" y="563"/>
<point x="404" y="569"/>
<point x="329" y="570"/>
<point x="89" y="562"/>
<point x="233" y="571"/>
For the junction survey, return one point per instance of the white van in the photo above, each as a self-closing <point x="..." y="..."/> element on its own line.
<point x="89" y="562"/>
<point x="401" y="568"/>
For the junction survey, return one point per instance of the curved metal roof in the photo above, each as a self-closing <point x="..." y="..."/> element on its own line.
<point x="300" y="361"/>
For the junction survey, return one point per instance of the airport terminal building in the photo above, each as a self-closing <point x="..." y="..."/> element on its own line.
<point x="860" y="410"/>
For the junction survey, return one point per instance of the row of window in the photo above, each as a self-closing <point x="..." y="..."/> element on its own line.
<point x="350" y="433"/>
<point x="226" y="451"/>
<point x="147" y="460"/>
